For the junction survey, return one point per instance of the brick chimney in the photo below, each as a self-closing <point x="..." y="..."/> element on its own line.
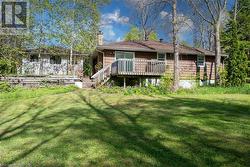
<point x="100" y="38"/>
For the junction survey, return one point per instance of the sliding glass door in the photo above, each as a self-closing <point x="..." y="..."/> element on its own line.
<point x="126" y="62"/>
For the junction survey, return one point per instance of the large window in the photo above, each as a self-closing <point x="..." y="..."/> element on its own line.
<point x="55" y="60"/>
<point x="33" y="58"/>
<point x="127" y="63"/>
<point x="161" y="56"/>
<point x="200" y="61"/>
<point x="124" y="55"/>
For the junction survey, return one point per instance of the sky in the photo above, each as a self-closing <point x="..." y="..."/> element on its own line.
<point x="116" y="20"/>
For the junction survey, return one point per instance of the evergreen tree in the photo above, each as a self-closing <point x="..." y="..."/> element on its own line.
<point x="236" y="65"/>
<point x="235" y="41"/>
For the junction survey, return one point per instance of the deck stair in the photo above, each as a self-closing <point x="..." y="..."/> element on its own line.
<point x="129" y="67"/>
<point x="102" y="76"/>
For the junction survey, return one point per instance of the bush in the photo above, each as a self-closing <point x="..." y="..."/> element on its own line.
<point x="87" y="68"/>
<point x="166" y="82"/>
<point x="5" y="87"/>
<point x="223" y="77"/>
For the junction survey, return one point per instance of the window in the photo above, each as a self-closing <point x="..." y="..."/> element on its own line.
<point x="200" y="61"/>
<point x="55" y="60"/>
<point x="124" y="55"/>
<point x="128" y="64"/>
<point x="161" y="56"/>
<point x="33" y="58"/>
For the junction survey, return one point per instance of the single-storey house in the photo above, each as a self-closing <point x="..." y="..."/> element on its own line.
<point x="150" y="60"/>
<point x="56" y="61"/>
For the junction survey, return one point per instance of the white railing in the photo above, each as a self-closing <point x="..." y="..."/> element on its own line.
<point x="102" y="75"/>
<point x="138" y="67"/>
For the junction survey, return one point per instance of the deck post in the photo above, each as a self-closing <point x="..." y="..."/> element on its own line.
<point x="140" y="81"/>
<point x="124" y="82"/>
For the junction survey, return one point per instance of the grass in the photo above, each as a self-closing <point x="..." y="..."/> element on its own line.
<point x="152" y="90"/>
<point x="20" y="92"/>
<point x="61" y="127"/>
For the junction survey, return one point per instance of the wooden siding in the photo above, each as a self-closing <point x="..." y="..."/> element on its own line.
<point x="188" y="68"/>
<point x="109" y="58"/>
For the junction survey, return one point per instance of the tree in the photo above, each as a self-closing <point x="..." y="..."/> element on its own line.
<point x="153" y="36"/>
<point x="237" y="61"/>
<point x="213" y="13"/>
<point x="146" y="15"/>
<point x="176" y="46"/>
<point x="242" y="14"/>
<point x="235" y="46"/>
<point x="135" y="35"/>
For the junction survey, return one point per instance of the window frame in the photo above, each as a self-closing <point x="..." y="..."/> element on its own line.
<point x="124" y="52"/>
<point x="204" y="61"/>
<point x="158" y="56"/>
<point x="54" y="61"/>
<point x="32" y="60"/>
<point x="133" y="67"/>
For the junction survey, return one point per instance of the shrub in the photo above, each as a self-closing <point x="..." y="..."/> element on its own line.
<point x="5" y="87"/>
<point x="166" y="82"/>
<point x="87" y="68"/>
<point x="223" y="77"/>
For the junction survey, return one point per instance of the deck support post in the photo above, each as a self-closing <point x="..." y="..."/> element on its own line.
<point x="140" y="84"/>
<point x="124" y="82"/>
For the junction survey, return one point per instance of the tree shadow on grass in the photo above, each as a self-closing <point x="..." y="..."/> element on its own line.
<point x="39" y="121"/>
<point x="136" y="136"/>
<point x="209" y="134"/>
<point x="196" y="125"/>
<point x="13" y="129"/>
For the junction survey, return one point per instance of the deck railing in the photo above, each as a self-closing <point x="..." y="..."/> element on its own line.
<point x="102" y="75"/>
<point x="138" y="67"/>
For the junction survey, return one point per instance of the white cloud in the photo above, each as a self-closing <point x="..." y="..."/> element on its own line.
<point x="114" y="17"/>
<point x="184" y="23"/>
<point x="163" y="14"/>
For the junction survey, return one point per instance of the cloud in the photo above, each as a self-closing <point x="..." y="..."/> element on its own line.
<point x="114" y="17"/>
<point x="163" y="14"/>
<point x="184" y="23"/>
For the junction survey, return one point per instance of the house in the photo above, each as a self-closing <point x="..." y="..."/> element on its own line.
<point x="149" y="60"/>
<point x="56" y="61"/>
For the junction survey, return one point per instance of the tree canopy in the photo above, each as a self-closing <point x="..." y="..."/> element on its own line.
<point x="135" y="34"/>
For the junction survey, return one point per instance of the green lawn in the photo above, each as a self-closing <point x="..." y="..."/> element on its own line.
<point x="90" y="128"/>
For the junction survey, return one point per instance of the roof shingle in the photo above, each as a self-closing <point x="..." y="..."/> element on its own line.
<point x="153" y="46"/>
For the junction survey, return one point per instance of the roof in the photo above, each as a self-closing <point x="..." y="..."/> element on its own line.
<point x="153" y="46"/>
<point x="54" y="50"/>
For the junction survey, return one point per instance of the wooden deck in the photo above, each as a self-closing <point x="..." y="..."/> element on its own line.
<point x="127" y="67"/>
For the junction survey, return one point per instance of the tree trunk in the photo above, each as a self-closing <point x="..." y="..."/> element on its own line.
<point x="217" y="53"/>
<point x="176" y="49"/>
<point x="235" y="10"/>
<point x="70" y="64"/>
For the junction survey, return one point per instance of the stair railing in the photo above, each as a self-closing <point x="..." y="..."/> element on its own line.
<point x="102" y="75"/>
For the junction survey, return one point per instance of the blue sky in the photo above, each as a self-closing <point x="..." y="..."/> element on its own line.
<point x="117" y="15"/>
<point x="116" y="21"/>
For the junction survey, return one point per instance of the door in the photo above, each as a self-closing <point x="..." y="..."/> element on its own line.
<point x="126" y="63"/>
